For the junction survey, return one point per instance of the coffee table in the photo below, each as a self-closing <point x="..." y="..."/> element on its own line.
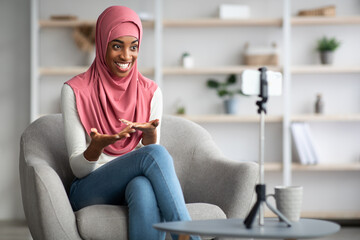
<point x="235" y="228"/>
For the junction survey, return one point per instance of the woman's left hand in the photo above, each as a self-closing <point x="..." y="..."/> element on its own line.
<point x="147" y="127"/>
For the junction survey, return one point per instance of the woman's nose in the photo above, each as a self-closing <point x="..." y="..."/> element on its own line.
<point x="125" y="54"/>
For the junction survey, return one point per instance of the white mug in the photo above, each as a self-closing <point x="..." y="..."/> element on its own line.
<point x="288" y="201"/>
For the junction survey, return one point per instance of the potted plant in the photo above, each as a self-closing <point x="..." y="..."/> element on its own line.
<point x="187" y="60"/>
<point x="227" y="91"/>
<point x="326" y="47"/>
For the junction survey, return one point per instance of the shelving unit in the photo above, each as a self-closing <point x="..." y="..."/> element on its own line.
<point x="296" y="21"/>
<point x="160" y="69"/>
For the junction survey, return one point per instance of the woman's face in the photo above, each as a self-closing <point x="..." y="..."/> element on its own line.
<point x="121" y="55"/>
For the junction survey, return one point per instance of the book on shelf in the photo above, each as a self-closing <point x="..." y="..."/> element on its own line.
<point x="304" y="143"/>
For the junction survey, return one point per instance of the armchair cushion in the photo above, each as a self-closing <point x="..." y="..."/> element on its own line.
<point x="110" y="221"/>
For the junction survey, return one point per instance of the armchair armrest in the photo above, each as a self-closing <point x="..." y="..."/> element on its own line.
<point x="48" y="209"/>
<point x="218" y="180"/>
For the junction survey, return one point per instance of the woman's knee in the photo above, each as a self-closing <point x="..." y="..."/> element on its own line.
<point x="156" y="149"/>
<point x="139" y="187"/>
<point x="159" y="154"/>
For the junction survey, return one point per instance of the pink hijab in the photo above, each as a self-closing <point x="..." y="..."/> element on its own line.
<point x="102" y="98"/>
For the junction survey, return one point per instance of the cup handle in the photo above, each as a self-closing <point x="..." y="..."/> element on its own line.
<point x="270" y="195"/>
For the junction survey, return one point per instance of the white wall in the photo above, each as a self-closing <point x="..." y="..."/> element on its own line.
<point x="14" y="103"/>
<point x="210" y="47"/>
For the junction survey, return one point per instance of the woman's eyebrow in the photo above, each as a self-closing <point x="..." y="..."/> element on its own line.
<point x="119" y="41"/>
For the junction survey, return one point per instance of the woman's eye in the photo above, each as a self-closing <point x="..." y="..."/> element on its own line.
<point x="116" y="46"/>
<point x="134" y="48"/>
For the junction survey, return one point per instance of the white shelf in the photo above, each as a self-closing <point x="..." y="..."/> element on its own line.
<point x="230" y="118"/>
<point x="76" y="23"/>
<point x="65" y="23"/>
<point x="274" y="167"/>
<point x="276" y="22"/>
<point x="336" y="215"/>
<point x="327" y="167"/>
<point x="56" y="71"/>
<point x="217" y="22"/>
<point x="322" y="20"/>
<point x="309" y="69"/>
<point x="326" y="118"/>
<point x="224" y="118"/>
<point x="316" y="69"/>
<point x="212" y="70"/>
<point x="340" y="215"/>
<point x="321" y="69"/>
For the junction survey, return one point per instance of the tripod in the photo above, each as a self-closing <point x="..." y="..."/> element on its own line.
<point x="260" y="189"/>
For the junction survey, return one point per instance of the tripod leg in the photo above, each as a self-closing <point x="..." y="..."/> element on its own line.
<point x="252" y="215"/>
<point x="279" y="214"/>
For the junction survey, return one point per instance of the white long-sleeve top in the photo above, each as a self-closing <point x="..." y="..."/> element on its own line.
<point x="77" y="140"/>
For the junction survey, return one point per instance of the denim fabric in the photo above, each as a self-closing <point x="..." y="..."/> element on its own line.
<point x="145" y="180"/>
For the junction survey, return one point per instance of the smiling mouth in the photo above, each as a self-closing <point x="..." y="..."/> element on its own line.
<point x="123" y="67"/>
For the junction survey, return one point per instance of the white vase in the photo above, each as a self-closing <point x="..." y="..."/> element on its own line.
<point x="188" y="62"/>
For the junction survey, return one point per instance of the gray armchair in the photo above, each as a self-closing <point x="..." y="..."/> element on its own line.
<point x="213" y="186"/>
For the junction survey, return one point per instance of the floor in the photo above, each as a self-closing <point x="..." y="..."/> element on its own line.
<point x="19" y="231"/>
<point x="14" y="231"/>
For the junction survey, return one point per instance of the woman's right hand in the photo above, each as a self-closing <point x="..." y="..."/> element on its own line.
<point x="103" y="140"/>
<point x="100" y="141"/>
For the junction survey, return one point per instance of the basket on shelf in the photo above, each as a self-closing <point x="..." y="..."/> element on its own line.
<point x="329" y="11"/>
<point x="84" y="37"/>
<point x="63" y="17"/>
<point x="258" y="56"/>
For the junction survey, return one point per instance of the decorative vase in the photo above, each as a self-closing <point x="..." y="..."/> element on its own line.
<point x="319" y="104"/>
<point x="326" y="57"/>
<point x="230" y="106"/>
<point x="187" y="61"/>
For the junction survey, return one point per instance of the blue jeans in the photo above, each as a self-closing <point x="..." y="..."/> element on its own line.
<point x="146" y="181"/>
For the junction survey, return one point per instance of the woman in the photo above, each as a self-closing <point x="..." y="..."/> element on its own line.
<point x="111" y="115"/>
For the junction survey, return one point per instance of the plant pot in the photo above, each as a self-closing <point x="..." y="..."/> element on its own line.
<point x="230" y="106"/>
<point x="326" y="57"/>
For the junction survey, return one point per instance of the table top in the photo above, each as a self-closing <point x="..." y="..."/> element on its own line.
<point x="273" y="228"/>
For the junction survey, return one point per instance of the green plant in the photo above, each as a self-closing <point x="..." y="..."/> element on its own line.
<point x="185" y="54"/>
<point x="224" y="88"/>
<point x="327" y="44"/>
